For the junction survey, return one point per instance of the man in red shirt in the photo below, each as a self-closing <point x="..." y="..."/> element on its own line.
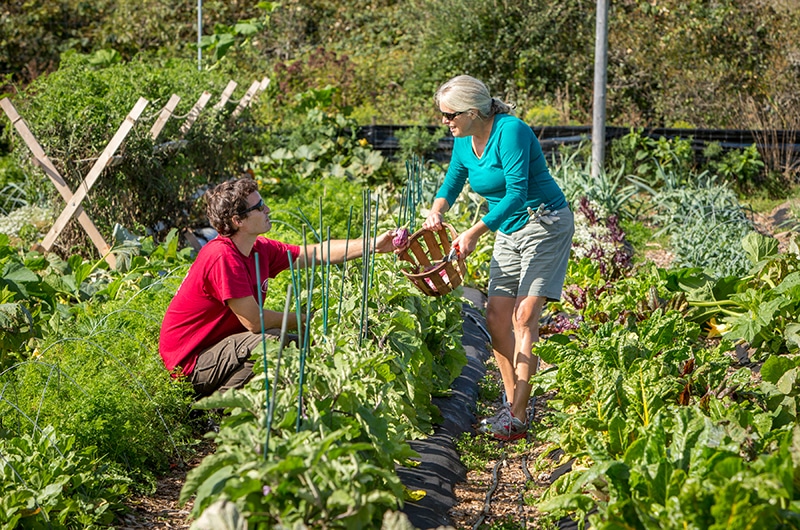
<point x="213" y="324"/>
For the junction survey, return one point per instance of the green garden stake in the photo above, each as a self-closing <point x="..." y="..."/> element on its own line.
<point x="344" y="265"/>
<point x="263" y="341"/>
<point x="296" y="285"/>
<point x="374" y="242"/>
<point x="365" y="231"/>
<point x="304" y="349"/>
<point x="326" y="291"/>
<point x="284" y="325"/>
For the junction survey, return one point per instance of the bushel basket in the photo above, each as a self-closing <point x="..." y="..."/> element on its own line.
<point x="431" y="273"/>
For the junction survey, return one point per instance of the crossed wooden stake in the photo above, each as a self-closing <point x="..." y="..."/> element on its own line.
<point x="73" y="200"/>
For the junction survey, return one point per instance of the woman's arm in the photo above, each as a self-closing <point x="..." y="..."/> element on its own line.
<point x="436" y="215"/>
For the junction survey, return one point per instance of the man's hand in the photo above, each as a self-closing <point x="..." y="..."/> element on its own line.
<point x="383" y="243"/>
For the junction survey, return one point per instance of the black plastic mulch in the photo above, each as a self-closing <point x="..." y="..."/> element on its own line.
<point x="441" y="468"/>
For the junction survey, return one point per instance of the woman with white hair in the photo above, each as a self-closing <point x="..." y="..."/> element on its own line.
<point x="502" y="158"/>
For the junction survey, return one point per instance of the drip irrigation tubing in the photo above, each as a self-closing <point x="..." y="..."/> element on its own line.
<point x="487" y="502"/>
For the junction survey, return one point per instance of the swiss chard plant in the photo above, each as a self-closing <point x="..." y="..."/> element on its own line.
<point x="759" y="307"/>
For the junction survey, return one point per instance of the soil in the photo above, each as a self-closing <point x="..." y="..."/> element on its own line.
<point x="498" y="495"/>
<point x="160" y="511"/>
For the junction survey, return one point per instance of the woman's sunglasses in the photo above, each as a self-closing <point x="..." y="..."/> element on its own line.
<point x="450" y="116"/>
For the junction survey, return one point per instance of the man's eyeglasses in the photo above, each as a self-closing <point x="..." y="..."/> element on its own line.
<point x="450" y="116"/>
<point x="257" y="206"/>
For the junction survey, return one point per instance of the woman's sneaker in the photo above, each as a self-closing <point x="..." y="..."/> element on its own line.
<point x="506" y="427"/>
<point x="487" y="422"/>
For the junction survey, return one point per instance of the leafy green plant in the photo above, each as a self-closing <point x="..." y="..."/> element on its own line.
<point x="419" y="141"/>
<point x="759" y="307"/>
<point x="226" y="36"/>
<point x="684" y="472"/>
<point x="97" y="379"/>
<point x="705" y="222"/>
<point x="645" y="157"/>
<point x="309" y="476"/>
<point x="741" y="168"/>
<point x="321" y="145"/>
<point x="49" y="481"/>
<point x="611" y="191"/>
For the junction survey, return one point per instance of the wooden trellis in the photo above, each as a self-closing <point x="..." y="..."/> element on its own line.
<point x="73" y="207"/>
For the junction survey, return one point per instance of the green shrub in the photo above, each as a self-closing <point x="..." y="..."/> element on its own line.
<point x="74" y="113"/>
<point x="419" y="141"/>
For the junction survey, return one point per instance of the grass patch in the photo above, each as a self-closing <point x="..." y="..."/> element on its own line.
<point x="641" y="236"/>
<point x="478" y="451"/>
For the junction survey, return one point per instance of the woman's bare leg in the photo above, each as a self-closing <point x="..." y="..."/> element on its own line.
<point x="499" y="317"/>
<point x="526" y="314"/>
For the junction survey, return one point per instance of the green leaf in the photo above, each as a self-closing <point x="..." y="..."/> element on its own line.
<point x="224" y="43"/>
<point x="792" y="334"/>
<point x="617" y="435"/>
<point x="759" y="247"/>
<point x="571" y="502"/>
<point x="200" y="474"/>
<point x="246" y="29"/>
<point x="776" y="366"/>
<point x="16" y="272"/>
<point x="787" y="382"/>
<point x="212" y="486"/>
<point x="789" y="283"/>
<point x="744" y="327"/>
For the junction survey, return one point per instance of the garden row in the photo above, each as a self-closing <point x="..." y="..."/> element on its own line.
<point x="675" y="391"/>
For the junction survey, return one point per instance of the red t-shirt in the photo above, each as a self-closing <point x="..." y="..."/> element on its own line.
<point x="199" y="317"/>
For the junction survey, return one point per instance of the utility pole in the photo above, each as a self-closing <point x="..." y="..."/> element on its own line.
<point x="599" y="104"/>
<point x="199" y="34"/>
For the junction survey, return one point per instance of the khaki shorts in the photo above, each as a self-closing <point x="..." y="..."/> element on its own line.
<point x="533" y="260"/>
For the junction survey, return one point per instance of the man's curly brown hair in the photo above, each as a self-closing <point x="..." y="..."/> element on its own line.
<point x="226" y="201"/>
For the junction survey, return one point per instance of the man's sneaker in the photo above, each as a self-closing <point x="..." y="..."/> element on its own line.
<point x="506" y="427"/>
<point x="487" y="422"/>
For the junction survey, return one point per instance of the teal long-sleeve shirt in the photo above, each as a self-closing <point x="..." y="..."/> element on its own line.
<point x="511" y="175"/>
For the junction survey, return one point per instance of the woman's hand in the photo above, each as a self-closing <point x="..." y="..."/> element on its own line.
<point x="465" y="245"/>
<point x="467" y="241"/>
<point x="433" y="222"/>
